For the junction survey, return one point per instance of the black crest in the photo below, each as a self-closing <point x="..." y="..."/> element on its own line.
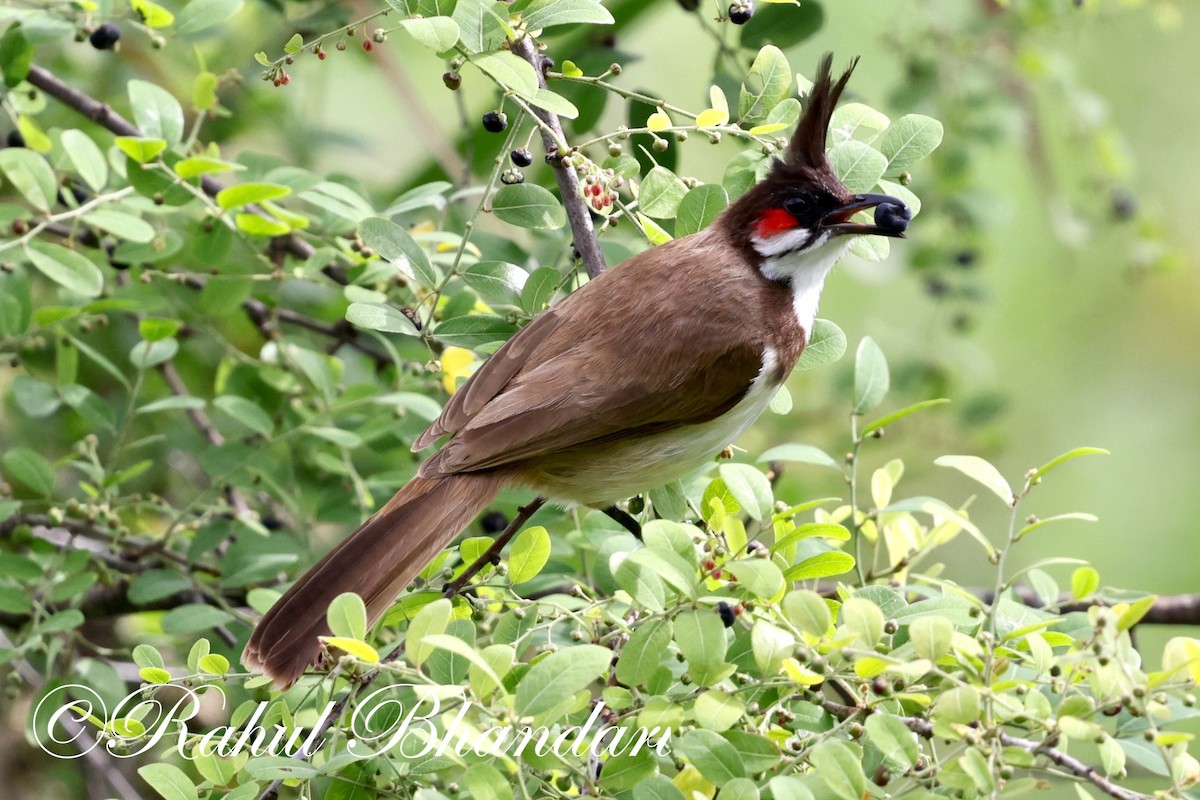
<point x="807" y="148"/>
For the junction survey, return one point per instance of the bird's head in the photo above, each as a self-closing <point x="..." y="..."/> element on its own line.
<point x="797" y="220"/>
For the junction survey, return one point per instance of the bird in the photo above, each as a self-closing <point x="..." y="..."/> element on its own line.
<point x="636" y="379"/>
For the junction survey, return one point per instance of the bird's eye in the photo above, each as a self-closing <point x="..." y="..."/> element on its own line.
<point x="798" y="205"/>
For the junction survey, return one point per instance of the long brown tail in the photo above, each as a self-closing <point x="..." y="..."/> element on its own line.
<point x="377" y="562"/>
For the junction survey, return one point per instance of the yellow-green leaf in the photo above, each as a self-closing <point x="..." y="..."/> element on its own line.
<point x="355" y="647"/>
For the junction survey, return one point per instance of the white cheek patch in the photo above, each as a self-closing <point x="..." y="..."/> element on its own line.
<point x="806" y="270"/>
<point x="768" y="246"/>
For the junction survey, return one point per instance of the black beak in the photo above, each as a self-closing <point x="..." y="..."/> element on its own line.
<point x="891" y="217"/>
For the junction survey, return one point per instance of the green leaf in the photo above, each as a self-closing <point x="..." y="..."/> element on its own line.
<point x="30" y="175"/>
<point x="145" y="355"/>
<point x="1041" y="471"/>
<point x="36" y="398"/>
<point x="931" y="635"/>
<point x="864" y="618"/>
<point x="857" y="121"/>
<point x="751" y="489"/>
<point x="436" y="33"/>
<point x="700" y="635"/>
<point x="661" y="193"/>
<point x="140" y="149"/>
<point x="542" y="14"/>
<point x="641" y="582"/>
<point x="204" y="97"/>
<point x="959" y="705"/>
<point x="497" y="281"/>
<point x="895" y="741"/>
<point x="699" y="207"/>
<point x="153" y="329"/>
<point x="1084" y="581"/>
<point x="200" y="14"/>
<point x="483" y="24"/>
<point x="627" y="769"/>
<point x="870" y="376"/>
<point x="840" y="768"/>
<point x="29" y="469"/>
<point x="560" y="675"/>
<point x="154" y="15"/>
<point x="169" y="781"/>
<point x="802" y="453"/>
<point x="16" y="55"/>
<point x="395" y="245"/>
<point x="758" y="576"/>
<point x="771" y="645"/>
<point x="70" y="270"/>
<point x="543" y="282"/>
<point x="826" y="344"/>
<point x="294" y="45"/>
<point x="767" y="84"/>
<point x="908" y="140"/>
<point x="530" y="552"/>
<point x="808" y="611"/>
<point x="355" y="647"/>
<point x="247" y="193"/>
<point x="485" y="782"/>
<point x="717" y="711"/>
<point x="825" y="565"/>
<point x="644" y="651"/>
<point x="528" y="206"/>
<point x="347" y="616"/>
<point x="510" y="71"/>
<point x="214" y="664"/>
<point x="156" y="111"/>
<point x="474" y="330"/>
<point x="982" y="472"/>
<point x="1082" y="516"/>
<point x="259" y="225"/>
<point x="713" y="756"/>
<point x="658" y="787"/>
<point x="554" y="103"/>
<point x="858" y="165"/>
<point x="246" y="412"/>
<point x="380" y="317"/>
<point x="86" y="157"/>
<point x="193" y="618"/>
<point x="121" y="225"/>
<point x="431" y="620"/>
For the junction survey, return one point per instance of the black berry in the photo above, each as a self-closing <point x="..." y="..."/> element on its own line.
<point x="271" y="522"/>
<point x="726" y="612"/>
<point x="741" y="12"/>
<point x="493" y="522"/>
<point x="104" y="37"/>
<point x="522" y="157"/>
<point x="452" y="80"/>
<point x="495" y="121"/>
<point x="892" y="217"/>
<point x="14" y="139"/>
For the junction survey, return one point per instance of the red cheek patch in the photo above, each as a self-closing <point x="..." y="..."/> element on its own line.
<point x="774" y="221"/>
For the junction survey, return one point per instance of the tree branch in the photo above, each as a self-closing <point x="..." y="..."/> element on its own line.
<point x="579" y="218"/>
<point x="923" y="727"/>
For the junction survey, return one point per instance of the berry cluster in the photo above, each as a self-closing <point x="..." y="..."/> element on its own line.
<point x="597" y="194"/>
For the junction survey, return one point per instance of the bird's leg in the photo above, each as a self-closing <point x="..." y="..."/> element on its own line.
<point x="624" y="519"/>
<point x="492" y="554"/>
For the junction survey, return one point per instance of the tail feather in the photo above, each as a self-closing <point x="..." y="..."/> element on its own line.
<point x="377" y="562"/>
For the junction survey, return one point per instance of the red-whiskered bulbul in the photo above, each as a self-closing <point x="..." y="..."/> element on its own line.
<point x="631" y="382"/>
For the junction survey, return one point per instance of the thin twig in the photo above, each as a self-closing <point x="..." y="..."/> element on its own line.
<point x="923" y="727"/>
<point x="578" y="216"/>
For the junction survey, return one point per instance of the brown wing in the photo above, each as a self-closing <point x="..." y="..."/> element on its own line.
<point x="569" y="377"/>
